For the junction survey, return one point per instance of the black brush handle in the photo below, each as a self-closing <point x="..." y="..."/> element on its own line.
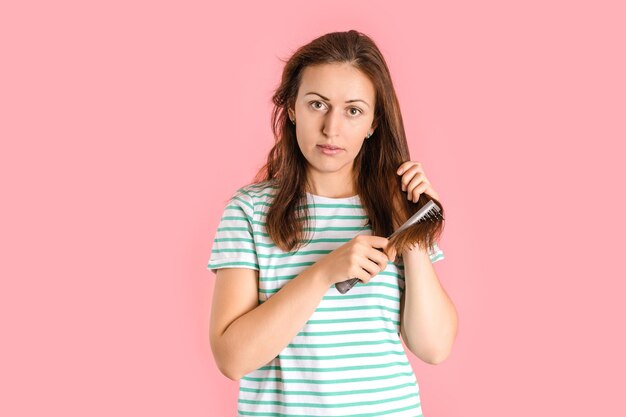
<point x="344" y="286"/>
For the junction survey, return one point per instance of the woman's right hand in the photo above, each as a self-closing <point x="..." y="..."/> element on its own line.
<point x="357" y="258"/>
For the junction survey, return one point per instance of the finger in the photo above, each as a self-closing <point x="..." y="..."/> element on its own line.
<point x="406" y="165"/>
<point x="376" y="241"/>
<point x="418" y="190"/>
<point x="390" y="251"/>
<point x="372" y="268"/>
<point x="416" y="181"/>
<point x="391" y="254"/>
<point x="403" y="167"/>
<point x="362" y="275"/>
<point x="379" y="256"/>
<point x="409" y="175"/>
<point x="359" y="271"/>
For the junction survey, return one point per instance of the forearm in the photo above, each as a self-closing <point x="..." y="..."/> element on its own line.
<point x="429" y="318"/>
<point x="258" y="336"/>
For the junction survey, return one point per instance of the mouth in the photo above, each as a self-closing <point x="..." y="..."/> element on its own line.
<point x="329" y="150"/>
<point x="330" y="147"/>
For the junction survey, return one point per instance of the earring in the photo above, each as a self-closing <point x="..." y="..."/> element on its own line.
<point x="368" y="136"/>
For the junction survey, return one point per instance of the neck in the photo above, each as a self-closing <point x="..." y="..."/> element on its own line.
<point x="331" y="186"/>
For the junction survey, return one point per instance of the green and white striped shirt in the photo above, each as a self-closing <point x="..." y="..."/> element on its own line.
<point x="348" y="359"/>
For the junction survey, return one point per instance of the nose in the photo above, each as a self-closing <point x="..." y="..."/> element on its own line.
<point x="332" y="123"/>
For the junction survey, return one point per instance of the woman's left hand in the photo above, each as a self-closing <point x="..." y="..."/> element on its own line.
<point x="414" y="181"/>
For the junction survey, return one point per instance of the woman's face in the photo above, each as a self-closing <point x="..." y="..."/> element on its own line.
<point x="334" y="107"/>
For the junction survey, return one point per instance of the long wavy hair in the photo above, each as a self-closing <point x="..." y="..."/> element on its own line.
<point x="374" y="170"/>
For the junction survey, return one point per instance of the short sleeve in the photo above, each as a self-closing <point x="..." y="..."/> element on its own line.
<point x="435" y="253"/>
<point x="233" y="245"/>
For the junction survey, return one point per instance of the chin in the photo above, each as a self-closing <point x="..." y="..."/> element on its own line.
<point x="329" y="167"/>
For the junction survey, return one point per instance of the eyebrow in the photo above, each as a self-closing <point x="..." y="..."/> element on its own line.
<point x="347" y="101"/>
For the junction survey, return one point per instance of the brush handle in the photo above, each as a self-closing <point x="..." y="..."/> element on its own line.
<point x="344" y="286"/>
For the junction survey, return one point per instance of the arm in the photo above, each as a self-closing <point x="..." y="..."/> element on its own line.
<point x="428" y="318"/>
<point x="245" y="335"/>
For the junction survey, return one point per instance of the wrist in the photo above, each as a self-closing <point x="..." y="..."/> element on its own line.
<point x="416" y="253"/>
<point x="319" y="276"/>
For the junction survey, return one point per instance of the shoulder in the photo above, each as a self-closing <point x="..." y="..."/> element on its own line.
<point x="258" y="189"/>
<point x="256" y="195"/>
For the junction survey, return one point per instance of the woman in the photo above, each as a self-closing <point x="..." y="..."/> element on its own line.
<point x="337" y="173"/>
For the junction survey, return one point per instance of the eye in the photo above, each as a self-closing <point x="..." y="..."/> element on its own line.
<point x="312" y="103"/>
<point x="357" y="109"/>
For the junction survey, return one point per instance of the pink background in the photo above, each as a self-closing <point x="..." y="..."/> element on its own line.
<point x="126" y="126"/>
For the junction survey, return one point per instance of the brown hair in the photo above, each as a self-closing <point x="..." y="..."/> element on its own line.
<point x="378" y="185"/>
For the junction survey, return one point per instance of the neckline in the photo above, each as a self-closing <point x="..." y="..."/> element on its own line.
<point x="332" y="199"/>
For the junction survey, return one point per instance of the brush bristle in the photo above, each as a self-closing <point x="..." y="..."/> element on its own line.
<point x="424" y="233"/>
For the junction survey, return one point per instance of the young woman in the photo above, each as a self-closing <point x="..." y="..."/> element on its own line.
<point x="336" y="183"/>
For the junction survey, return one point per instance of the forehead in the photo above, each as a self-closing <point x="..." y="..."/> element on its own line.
<point x="337" y="82"/>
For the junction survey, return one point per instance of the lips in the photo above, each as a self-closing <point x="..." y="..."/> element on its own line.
<point x="329" y="150"/>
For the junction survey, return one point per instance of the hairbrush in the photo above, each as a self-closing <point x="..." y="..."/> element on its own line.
<point x="430" y="211"/>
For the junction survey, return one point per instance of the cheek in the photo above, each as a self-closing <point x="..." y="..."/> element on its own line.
<point x="307" y="146"/>
<point x="355" y="148"/>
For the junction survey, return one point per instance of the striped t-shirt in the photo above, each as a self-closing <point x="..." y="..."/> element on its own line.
<point x="348" y="359"/>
